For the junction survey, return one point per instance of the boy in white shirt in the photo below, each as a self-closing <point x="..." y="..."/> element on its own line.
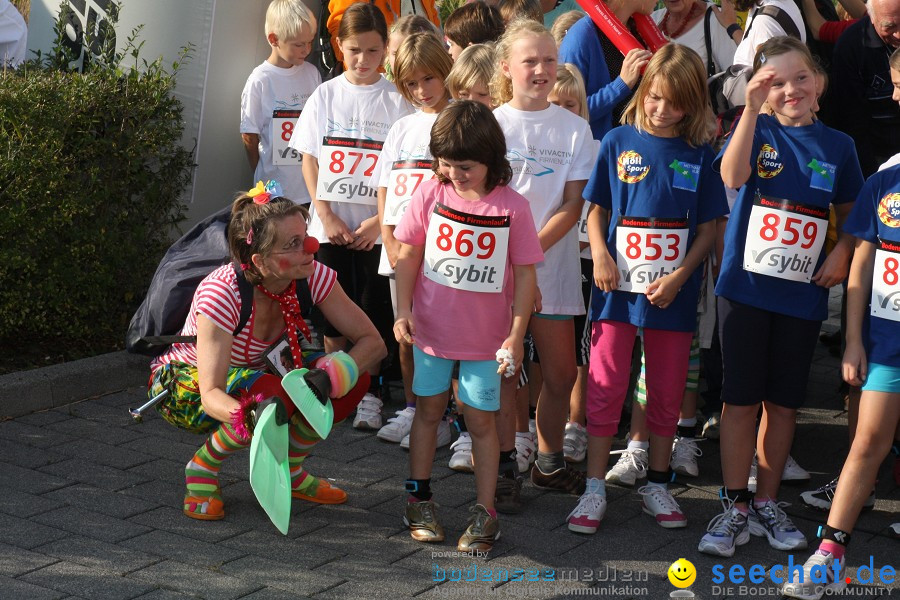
<point x="275" y="94"/>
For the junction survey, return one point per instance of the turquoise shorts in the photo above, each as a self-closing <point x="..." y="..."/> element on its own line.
<point x="552" y="317"/>
<point x="882" y="378"/>
<point x="479" y="382"/>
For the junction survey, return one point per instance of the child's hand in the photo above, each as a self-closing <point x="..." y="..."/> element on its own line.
<point x="404" y="329"/>
<point x="366" y="234"/>
<point x="510" y="356"/>
<point x="538" y="305"/>
<point x="662" y="292"/>
<point x="854" y="367"/>
<point x="634" y="63"/>
<point x="758" y="88"/>
<point x="335" y="229"/>
<point x="835" y="268"/>
<point x="606" y="273"/>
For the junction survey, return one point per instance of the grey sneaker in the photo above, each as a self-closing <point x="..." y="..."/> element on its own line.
<point x="772" y="522"/>
<point x="421" y="518"/>
<point x="482" y="532"/>
<point x="725" y="532"/>
<point x="801" y="585"/>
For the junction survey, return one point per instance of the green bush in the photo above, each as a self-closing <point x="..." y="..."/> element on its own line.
<point x="91" y="176"/>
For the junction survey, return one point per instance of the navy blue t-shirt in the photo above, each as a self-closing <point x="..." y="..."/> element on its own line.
<point x="876" y="218"/>
<point x="811" y="165"/>
<point x="642" y="175"/>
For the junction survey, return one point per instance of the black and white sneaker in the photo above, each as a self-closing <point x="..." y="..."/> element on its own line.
<point x="820" y="498"/>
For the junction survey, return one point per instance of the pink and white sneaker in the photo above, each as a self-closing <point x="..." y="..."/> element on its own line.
<point x="659" y="503"/>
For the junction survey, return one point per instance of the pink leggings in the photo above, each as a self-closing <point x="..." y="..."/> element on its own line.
<point x="666" y="354"/>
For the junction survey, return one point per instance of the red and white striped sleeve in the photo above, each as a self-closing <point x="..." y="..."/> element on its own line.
<point x="217" y="298"/>
<point x="321" y="282"/>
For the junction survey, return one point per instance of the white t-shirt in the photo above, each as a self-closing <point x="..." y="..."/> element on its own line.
<point x="13" y="35"/>
<point x="339" y="108"/>
<point x="408" y="139"/>
<point x="546" y="149"/>
<point x="892" y="161"/>
<point x="723" y="47"/>
<point x="270" y="107"/>
<point x="765" y="28"/>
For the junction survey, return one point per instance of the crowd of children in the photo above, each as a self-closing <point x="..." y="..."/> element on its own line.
<point x="487" y="197"/>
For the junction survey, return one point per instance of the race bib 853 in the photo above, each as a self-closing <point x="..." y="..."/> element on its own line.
<point x="648" y="248"/>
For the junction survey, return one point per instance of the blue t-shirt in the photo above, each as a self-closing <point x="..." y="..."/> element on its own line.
<point x="876" y="217"/>
<point x="811" y="165"/>
<point x="641" y="175"/>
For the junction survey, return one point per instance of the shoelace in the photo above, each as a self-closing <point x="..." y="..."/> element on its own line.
<point x="725" y="523"/>
<point x="662" y="496"/>
<point x="427" y="510"/>
<point x="587" y="505"/>
<point x="480" y="520"/>
<point x="629" y="455"/>
<point x="686" y="448"/>
<point x="773" y="514"/>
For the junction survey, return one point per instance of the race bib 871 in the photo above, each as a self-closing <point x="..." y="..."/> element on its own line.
<point x="404" y="180"/>
<point x="466" y="252"/>
<point x="345" y="166"/>
<point x="784" y="238"/>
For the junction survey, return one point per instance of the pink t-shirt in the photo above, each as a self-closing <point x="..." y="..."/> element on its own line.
<point x="219" y="298"/>
<point x="461" y="324"/>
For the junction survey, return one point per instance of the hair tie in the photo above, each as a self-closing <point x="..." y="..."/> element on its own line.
<point x="244" y="266"/>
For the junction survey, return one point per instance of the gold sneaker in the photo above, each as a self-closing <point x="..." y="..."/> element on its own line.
<point x="482" y="532"/>
<point x="421" y="518"/>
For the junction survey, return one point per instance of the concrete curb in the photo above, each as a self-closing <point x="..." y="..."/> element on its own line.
<point x="48" y="387"/>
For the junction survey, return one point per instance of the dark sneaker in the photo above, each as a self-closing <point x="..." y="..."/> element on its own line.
<point x="482" y="532"/>
<point x="771" y="522"/>
<point x="567" y="480"/>
<point x="422" y="521"/>
<point x="507" y="498"/>
<point x="820" y="498"/>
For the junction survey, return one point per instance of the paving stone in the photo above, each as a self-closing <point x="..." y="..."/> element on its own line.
<point x="160" y="469"/>
<point x="84" y="471"/>
<point x="179" y="452"/>
<point x="95" y="430"/>
<point x="24" y="505"/>
<point x="91" y="524"/>
<point x="270" y="593"/>
<point x="359" y="574"/>
<point x="25" y="533"/>
<point x="82" y="581"/>
<point x="166" y="595"/>
<point x="27" y="456"/>
<point x="275" y="546"/>
<point x="14" y="561"/>
<point x="37" y="437"/>
<point x="157" y="492"/>
<point x="20" y="590"/>
<point x="94" y="554"/>
<point x="280" y="575"/>
<point x="96" y="411"/>
<point x="174" y="521"/>
<point x="41" y="418"/>
<point x="167" y="545"/>
<point x="195" y="582"/>
<point x="92" y="498"/>
<point x="29" y="480"/>
<point x="104" y="454"/>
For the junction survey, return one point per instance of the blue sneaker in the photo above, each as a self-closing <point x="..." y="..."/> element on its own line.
<point x="772" y="522"/>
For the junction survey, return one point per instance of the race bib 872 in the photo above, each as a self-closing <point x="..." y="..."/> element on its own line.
<point x="345" y="166"/>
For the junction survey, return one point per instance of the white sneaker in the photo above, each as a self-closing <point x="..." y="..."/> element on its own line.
<point x="398" y="426"/>
<point x="526" y="450"/>
<point x="632" y="466"/>
<point x="443" y="436"/>
<point x="368" y="413"/>
<point x="809" y="585"/>
<point x="588" y="513"/>
<point x="532" y="426"/>
<point x="575" y="443"/>
<point x="462" y="454"/>
<point x="684" y="456"/>
<point x="793" y="471"/>
<point x="725" y="532"/>
<point x="659" y="503"/>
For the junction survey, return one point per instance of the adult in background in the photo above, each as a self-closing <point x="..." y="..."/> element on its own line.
<point x="861" y="84"/>
<point x="609" y="77"/>
<point x="682" y="21"/>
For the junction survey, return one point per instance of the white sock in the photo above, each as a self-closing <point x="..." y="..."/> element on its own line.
<point x="636" y="445"/>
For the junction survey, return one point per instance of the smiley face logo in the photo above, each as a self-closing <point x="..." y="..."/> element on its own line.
<point x="682" y="573"/>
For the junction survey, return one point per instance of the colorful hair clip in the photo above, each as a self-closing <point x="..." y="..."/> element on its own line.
<point x="262" y="193"/>
<point x="250" y="236"/>
<point x="762" y="58"/>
